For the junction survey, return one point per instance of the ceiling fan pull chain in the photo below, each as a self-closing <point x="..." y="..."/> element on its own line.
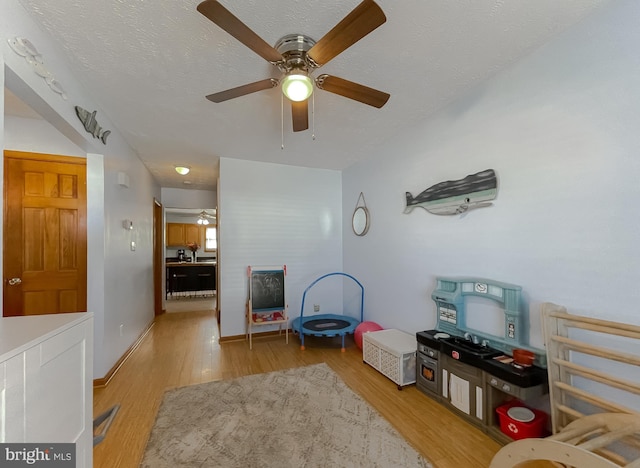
<point x="282" y="121"/>
<point x="313" y="116"/>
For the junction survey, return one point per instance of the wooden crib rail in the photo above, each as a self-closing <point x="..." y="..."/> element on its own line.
<point x="557" y="327"/>
<point x="589" y="383"/>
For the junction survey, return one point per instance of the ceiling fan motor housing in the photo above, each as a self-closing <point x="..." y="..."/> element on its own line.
<point x="294" y="48"/>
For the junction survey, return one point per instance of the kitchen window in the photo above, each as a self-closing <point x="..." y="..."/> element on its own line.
<point x="210" y="240"/>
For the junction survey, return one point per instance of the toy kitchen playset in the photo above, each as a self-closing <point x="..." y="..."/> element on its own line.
<point x="477" y="362"/>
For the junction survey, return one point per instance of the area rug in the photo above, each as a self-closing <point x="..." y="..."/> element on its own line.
<point x="302" y="417"/>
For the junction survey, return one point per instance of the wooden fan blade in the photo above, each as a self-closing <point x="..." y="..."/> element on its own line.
<point x="231" y="24"/>
<point x="352" y="90"/>
<point x="242" y="90"/>
<point x="361" y="21"/>
<point x="300" y="114"/>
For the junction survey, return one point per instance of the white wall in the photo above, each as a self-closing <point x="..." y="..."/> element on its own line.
<point x="128" y="273"/>
<point x="269" y="214"/>
<point x="115" y="299"/>
<point x="184" y="198"/>
<point x="561" y="130"/>
<point x="38" y="136"/>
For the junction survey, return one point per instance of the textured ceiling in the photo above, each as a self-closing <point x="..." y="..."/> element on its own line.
<point x="150" y="63"/>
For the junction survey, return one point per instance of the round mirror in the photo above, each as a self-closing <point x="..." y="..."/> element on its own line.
<point x="360" y="221"/>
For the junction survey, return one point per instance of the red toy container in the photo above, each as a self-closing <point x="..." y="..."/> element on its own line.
<point x="520" y="429"/>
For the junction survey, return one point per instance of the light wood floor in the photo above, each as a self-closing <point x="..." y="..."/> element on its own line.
<point x="188" y="304"/>
<point x="182" y="349"/>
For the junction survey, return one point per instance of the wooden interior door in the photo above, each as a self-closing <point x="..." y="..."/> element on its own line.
<point x="45" y="234"/>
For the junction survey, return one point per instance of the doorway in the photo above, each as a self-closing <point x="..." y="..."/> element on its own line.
<point x="45" y="234"/>
<point x="158" y="250"/>
<point x="191" y="259"/>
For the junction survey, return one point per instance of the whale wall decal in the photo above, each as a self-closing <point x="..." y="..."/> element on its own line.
<point x="90" y="124"/>
<point x="457" y="196"/>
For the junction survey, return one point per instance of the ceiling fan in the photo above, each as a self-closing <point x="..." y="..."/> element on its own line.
<point x="203" y="217"/>
<point x="297" y="56"/>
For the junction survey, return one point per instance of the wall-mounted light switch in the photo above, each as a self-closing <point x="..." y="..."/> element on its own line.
<point x="133" y="246"/>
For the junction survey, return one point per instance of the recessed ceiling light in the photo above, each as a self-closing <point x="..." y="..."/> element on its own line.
<point x="182" y="170"/>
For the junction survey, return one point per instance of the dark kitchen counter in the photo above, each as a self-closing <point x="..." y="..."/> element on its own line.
<point x="185" y="264"/>
<point x="189" y="277"/>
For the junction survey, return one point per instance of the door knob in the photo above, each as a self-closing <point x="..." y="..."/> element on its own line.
<point x="14" y="281"/>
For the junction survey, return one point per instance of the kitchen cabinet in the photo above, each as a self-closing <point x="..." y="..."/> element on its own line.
<point x="175" y="234"/>
<point x="181" y="234"/>
<point x="193" y="233"/>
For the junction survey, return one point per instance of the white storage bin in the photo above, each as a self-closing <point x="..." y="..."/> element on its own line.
<point x="392" y="353"/>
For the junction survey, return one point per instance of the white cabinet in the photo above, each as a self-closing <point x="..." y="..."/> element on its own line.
<point x="46" y="381"/>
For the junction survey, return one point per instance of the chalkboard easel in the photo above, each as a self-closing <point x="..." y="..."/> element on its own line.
<point x="267" y="303"/>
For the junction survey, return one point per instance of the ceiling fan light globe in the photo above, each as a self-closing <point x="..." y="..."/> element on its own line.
<point x="202" y="218"/>
<point x="297" y="87"/>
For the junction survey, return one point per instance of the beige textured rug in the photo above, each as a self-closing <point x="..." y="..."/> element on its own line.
<point x="302" y="417"/>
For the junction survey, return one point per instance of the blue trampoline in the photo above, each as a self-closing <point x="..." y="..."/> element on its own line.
<point x="327" y="325"/>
